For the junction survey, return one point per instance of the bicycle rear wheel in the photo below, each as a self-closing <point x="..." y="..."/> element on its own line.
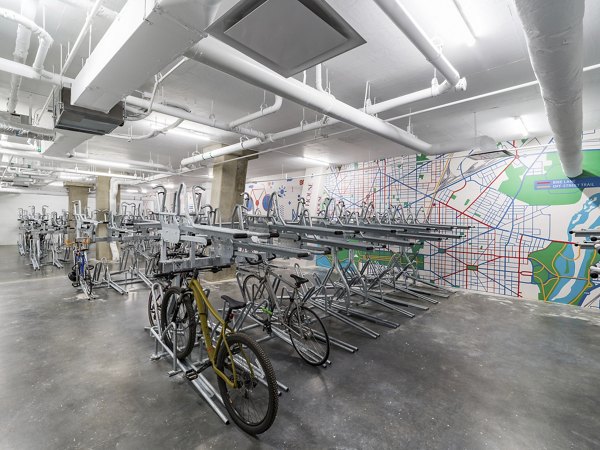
<point x="153" y="316"/>
<point x="176" y="308"/>
<point x="308" y="335"/>
<point x="252" y="403"/>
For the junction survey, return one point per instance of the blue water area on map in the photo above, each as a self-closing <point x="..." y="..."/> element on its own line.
<point x="565" y="265"/>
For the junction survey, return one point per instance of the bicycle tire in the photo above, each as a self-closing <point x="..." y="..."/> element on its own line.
<point x="252" y="390"/>
<point x="182" y="313"/>
<point x="87" y="282"/>
<point x="304" y="333"/>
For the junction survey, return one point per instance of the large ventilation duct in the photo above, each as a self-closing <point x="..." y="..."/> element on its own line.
<point x="151" y="33"/>
<point x="554" y="32"/>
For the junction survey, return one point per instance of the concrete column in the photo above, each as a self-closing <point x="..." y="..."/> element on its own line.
<point x="76" y="192"/>
<point x="102" y="204"/>
<point x="228" y="185"/>
<point x="118" y="200"/>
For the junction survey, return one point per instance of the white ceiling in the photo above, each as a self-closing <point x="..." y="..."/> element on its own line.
<point x="387" y="61"/>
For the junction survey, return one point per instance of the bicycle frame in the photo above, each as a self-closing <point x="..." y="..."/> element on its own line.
<point x="80" y="261"/>
<point x="204" y="308"/>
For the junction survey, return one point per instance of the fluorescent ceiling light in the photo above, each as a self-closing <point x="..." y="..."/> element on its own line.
<point x="56" y="183"/>
<point x="520" y="124"/>
<point x="169" y="186"/>
<point x="469" y="34"/>
<point x="71" y="176"/>
<point x="131" y="191"/>
<point x="192" y="134"/>
<point x="87" y="173"/>
<point x="100" y="162"/>
<point x="317" y="162"/>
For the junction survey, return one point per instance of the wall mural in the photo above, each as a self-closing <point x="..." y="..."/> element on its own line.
<point x="520" y="208"/>
<point x="288" y="191"/>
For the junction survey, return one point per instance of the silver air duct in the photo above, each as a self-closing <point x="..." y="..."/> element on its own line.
<point x="554" y="32"/>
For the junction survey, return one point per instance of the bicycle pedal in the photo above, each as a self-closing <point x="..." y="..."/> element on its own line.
<point x="191" y="374"/>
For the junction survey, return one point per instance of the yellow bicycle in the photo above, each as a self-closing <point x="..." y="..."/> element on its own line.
<point x="245" y="375"/>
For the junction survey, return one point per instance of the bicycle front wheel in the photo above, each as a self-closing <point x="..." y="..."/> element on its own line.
<point x="153" y="316"/>
<point x="252" y="403"/>
<point x="178" y="318"/>
<point x="87" y="282"/>
<point x="308" y="335"/>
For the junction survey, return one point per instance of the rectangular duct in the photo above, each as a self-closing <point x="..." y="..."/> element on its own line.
<point x="142" y="41"/>
<point x="83" y="120"/>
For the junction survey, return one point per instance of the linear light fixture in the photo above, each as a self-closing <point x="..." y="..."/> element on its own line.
<point x="470" y="38"/>
<point x="520" y="124"/>
<point x="99" y="162"/>
<point x="318" y="162"/>
<point x="64" y="173"/>
<point x="192" y="134"/>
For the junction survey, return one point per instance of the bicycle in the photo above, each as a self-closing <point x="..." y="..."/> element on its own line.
<point x="245" y="376"/>
<point x="306" y="331"/>
<point x="81" y="272"/>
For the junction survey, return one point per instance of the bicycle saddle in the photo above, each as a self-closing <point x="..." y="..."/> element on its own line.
<point x="299" y="280"/>
<point x="233" y="304"/>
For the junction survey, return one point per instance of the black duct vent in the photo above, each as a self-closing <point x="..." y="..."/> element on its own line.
<point x="287" y="36"/>
<point x="75" y="118"/>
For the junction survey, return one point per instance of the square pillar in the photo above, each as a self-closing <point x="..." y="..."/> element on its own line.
<point x="102" y="204"/>
<point x="76" y="192"/>
<point x="228" y="185"/>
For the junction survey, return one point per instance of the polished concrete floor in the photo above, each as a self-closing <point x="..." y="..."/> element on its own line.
<point x="475" y="371"/>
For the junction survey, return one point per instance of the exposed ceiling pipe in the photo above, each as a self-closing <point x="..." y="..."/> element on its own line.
<point x="418" y="37"/>
<point x="554" y="32"/>
<point x="29" y="11"/>
<point x="226" y="59"/>
<point x="110" y="164"/>
<point x="11" y="128"/>
<point x="6" y="65"/>
<point x="176" y="112"/>
<point x="263" y="112"/>
<point x="150" y="135"/>
<point x="319" y="78"/>
<point x="83" y="156"/>
<point x="326" y="122"/>
<point x="45" y="40"/>
<point x="103" y="11"/>
<point x="39" y="156"/>
<point x="405" y="22"/>
<point x="23" y="70"/>
<point x="17" y="146"/>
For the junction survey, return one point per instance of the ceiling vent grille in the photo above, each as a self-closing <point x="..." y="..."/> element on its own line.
<point x="287" y="36"/>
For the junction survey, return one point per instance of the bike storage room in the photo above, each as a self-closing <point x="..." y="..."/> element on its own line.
<point x="299" y="224"/>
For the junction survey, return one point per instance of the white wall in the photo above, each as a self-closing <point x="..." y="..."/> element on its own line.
<point x="10" y="204"/>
